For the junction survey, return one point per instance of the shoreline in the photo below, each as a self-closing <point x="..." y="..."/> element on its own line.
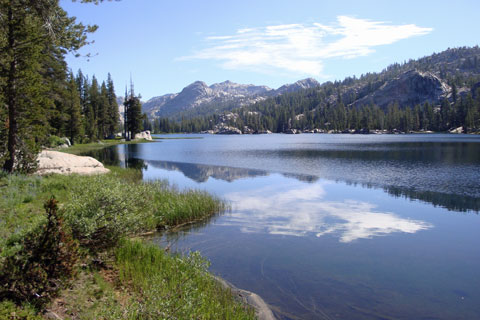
<point x="262" y="309"/>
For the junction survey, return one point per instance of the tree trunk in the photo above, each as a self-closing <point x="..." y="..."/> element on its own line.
<point x="11" y="97"/>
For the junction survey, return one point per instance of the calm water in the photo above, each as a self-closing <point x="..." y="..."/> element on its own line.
<point x="333" y="226"/>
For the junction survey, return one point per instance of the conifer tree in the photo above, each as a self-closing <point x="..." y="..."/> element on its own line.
<point x="113" y="114"/>
<point x="74" y="124"/>
<point x="133" y="108"/>
<point x="31" y="32"/>
<point x="103" y="111"/>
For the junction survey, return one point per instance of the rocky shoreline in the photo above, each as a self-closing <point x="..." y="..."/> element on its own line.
<point x="262" y="310"/>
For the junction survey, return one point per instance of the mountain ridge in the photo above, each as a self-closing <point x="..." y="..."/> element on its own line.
<point x="224" y="95"/>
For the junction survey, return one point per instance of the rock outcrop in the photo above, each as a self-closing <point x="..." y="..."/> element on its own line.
<point x="145" y="135"/>
<point x="64" y="163"/>
<point x="299" y="85"/>
<point x="410" y="88"/>
<point x="227" y="94"/>
<point x="227" y="130"/>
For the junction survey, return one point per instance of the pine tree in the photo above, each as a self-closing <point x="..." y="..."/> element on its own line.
<point x="31" y="34"/>
<point x="75" y="124"/>
<point x="103" y="112"/>
<point x="134" y="117"/>
<point x="113" y="115"/>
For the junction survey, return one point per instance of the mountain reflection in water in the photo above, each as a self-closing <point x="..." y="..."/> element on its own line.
<point x="200" y="173"/>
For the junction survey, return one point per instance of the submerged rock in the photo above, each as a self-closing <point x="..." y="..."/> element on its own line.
<point x="64" y="163"/>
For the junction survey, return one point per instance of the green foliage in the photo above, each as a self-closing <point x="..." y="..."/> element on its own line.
<point x="133" y="108"/>
<point x="34" y="264"/>
<point x="102" y="209"/>
<point x="54" y="141"/>
<point x="34" y="36"/>
<point x="10" y="311"/>
<point x="173" y="286"/>
<point x="38" y="250"/>
<point x="335" y="106"/>
<point x="173" y="207"/>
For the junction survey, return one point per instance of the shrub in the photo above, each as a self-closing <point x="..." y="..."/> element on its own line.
<point x="102" y="209"/>
<point x="35" y="264"/>
<point x="54" y="141"/>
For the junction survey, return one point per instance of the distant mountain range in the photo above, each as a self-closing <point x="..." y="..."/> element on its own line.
<point x="199" y="99"/>
<point x="440" y="92"/>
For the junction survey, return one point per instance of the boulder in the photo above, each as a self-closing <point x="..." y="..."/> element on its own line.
<point x="456" y="130"/>
<point x="64" y="163"/>
<point x="145" y="135"/>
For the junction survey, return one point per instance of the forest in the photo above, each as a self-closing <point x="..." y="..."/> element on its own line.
<point x="334" y="106"/>
<point x="41" y="97"/>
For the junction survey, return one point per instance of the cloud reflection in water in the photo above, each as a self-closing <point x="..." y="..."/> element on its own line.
<point x="302" y="211"/>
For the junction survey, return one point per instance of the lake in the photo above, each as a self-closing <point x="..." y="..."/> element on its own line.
<point x="332" y="226"/>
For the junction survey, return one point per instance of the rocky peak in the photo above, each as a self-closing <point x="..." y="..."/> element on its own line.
<point x="299" y="85"/>
<point x="197" y="88"/>
<point x="239" y="89"/>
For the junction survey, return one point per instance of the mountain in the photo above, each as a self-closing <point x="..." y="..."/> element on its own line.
<point x="297" y="86"/>
<point x="440" y="92"/>
<point x="200" y="99"/>
<point x="409" y="88"/>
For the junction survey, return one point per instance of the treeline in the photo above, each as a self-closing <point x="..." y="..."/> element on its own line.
<point x="92" y="110"/>
<point x="40" y="98"/>
<point x="301" y="111"/>
<point x="331" y="106"/>
<point x="38" y="95"/>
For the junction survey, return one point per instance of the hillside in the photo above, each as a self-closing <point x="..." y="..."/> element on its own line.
<point x="434" y="93"/>
<point x="199" y="99"/>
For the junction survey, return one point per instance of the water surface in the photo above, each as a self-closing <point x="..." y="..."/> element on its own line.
<point x="333" y="226"/>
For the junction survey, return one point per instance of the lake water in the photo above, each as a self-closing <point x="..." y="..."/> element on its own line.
<point x="333" y="226"/>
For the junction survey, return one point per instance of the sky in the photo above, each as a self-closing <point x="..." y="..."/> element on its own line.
<point x="164" y="45"/>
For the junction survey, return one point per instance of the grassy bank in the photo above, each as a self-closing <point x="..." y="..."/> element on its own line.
<point x="81" y="235"/>
<point x="144" y="282"/>
<point x="86" y="147"/>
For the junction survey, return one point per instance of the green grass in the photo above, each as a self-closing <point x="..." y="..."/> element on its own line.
<point x="85" y="147"/>
<point x="144" y="282"/>
<point x="174" y="286"/>
<point x="99" y="212"/>
<point x="9" y="311"/>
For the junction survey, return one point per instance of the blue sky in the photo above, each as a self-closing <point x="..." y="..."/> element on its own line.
<point x="167" y="44"/>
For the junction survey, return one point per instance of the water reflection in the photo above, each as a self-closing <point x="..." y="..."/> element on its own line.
<point x="414" y="170"/>
<point x="201" y="173"/>
<point x="303" y="211"/>
<point x="125" y="156"/>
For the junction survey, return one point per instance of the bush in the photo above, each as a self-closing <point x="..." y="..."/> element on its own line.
<point x="54" y="141"/>
<point x="102" y="209"/>
<point x="35" y="264"/>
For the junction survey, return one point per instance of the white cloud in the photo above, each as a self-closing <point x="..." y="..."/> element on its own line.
<point x="302" y="49"/>
<point x="302" y="211"/>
